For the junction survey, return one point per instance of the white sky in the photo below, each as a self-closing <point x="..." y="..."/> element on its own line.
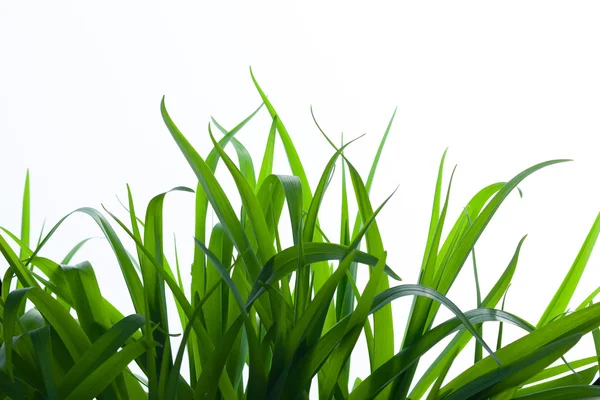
<point x="504" y="85"/>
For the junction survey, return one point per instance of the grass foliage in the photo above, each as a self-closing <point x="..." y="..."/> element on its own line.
<point x="261" y="321"/>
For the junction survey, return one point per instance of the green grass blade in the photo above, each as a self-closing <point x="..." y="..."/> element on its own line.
<point x="107" y="345"/>
<point x="314" y="316"/>
<point x="67" y="328"/>
<point x="478" y="348"/>
<point x="203" y="338"/>
<point x="435" y="390"/>
<point x="41" y="344"/>
<point x="215" y="308"/>
<point x="313" y="210"/>
<point x="461" y="225"/>
<point x="284" y="262"/>
<point x="384" y="375"/>
<point x="16" y="389"/>
<point x="266" y="167"/>
<point x="171" y="390"/>
<point x="383" y="327"/>
<point x="215" y="195"/>
<point x="341" y="354"/>
<point x="561" y="299"/>
<point x="501" y="327"/>
<point x="25" y="228"/>
<point x="569" y="392"/>
<point x="384" y="298"/>
<point x="154" y="289"/>
<point x="26" y="214"/>
<point x="459" y="256"/>
<point x="15" y="264"/>
<point x="345" y="297"/>
<point x="515" y="373"/>
<point x="87" y="299"/>
<point x="208" y="382"/>
<point x="435" y="214"/>
<point x="246" y="165"/>
<point x="201" y="204"/>
<point x="582" y="322"/>
<point x="73" y="252"/>
<point x="290" y="149"/>
<point x="134" y="284"/>
<point x="446" y="357"/>
<point x="93" y="384"/>
<point x="261" y="232"/>
<point x="456" y="259"/>
<point x="257" y="382"/>
<point x="421" y="305"/>
<point x="560" y="369"/>
<point x="584" y="377"/>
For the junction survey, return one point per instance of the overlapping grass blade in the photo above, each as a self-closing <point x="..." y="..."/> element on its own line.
<point x="216" y="196"/>
<point x="567" y="392"/>
<point x="579" y="322"/>
<point x="41" y="344"/>
<point x="102" y="349"/>
<point x="584" y="377"/>
<point x="93" y="384"/>
<point x="513" y="374"/>
<point x="384" y="375"/>
<point x="446" y="357"/>
<point x="341" y="354"/>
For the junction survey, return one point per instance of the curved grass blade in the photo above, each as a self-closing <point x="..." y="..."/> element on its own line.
<point x="87" y="299"/>
<point x="582" y="321"/>
<point x="459" y="256"/>
<point x="134" y="284"/>
<point x="67" y="328"/>
<point x="446" y="357"/>
<point x="515" y="373"/>
<point x="387" y="296"/>
<point x="385" y="374"/>
<point x="282" y="264"/>
<point x="154" y="289"/>
<point x="453" y="263"/>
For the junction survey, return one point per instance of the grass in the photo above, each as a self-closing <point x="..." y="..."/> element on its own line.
<point x="290" y="317"/>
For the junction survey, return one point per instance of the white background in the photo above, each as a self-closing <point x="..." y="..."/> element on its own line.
<point x="504" y="85"/>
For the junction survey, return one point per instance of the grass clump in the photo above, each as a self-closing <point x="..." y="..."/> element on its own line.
<point x="291" y="317"/>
